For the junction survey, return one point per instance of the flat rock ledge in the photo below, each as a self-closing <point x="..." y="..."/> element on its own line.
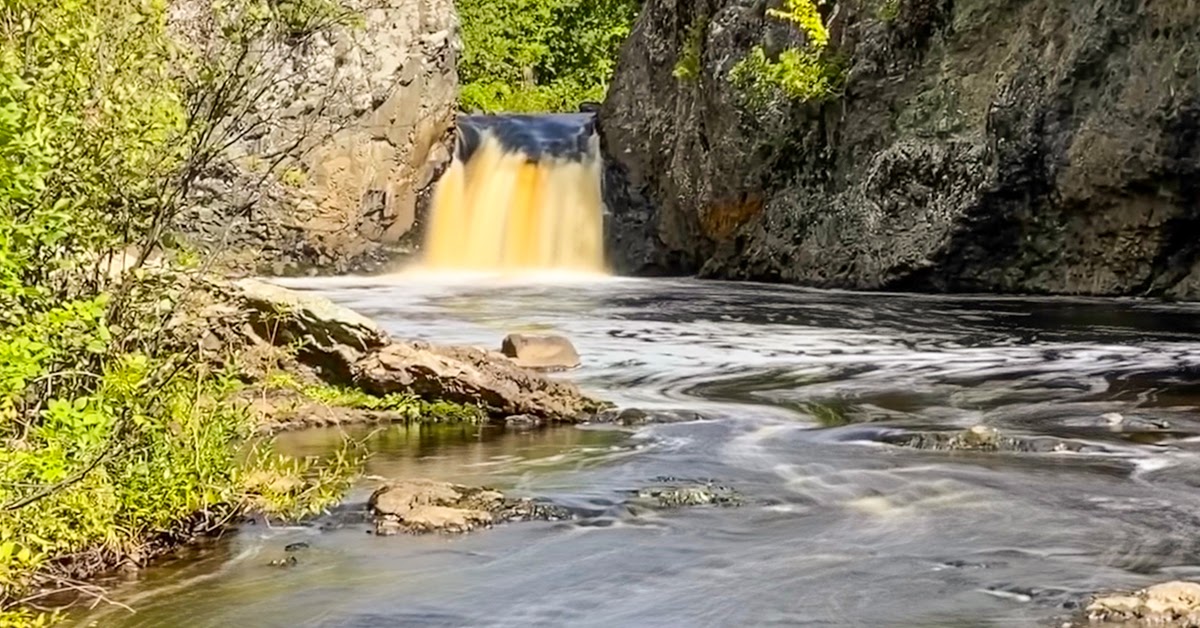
<point x="421" y="506"/>
<point x="471" y="376"/>
<point x="345" y="348"/>
<point x="1173" y="604"/>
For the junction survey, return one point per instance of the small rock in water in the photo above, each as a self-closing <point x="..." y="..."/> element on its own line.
<point x="690" y="494"/>
<point x="295" y="547"/>
<point x="523" y="422"/>
<point x="540" y="352"/>
<point x="630" y="417"/>
<point x="1175" y="603"/>
<point x="420" y="506"/>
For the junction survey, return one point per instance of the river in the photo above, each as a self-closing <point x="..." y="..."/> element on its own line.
<point x="786" y="393"/>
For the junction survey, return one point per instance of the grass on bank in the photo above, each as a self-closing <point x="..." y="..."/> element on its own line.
<point x="116" y="435"/>
<point x="408" y="408"/>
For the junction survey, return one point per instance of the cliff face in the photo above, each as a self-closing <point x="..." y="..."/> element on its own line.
<point x="980" y="145"/>
<point x="359" y="118"/>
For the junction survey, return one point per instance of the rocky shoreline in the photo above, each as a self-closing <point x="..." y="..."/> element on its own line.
<point x="288" y="342"/>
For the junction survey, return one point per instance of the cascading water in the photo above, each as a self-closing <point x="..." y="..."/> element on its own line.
<point x="522" y="193"/>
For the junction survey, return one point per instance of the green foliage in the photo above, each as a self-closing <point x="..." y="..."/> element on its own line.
<point x="687" y="68"/>
<point x="888" y="10"/>
<point x="810" y="73"/>
<point x="113" y="431"/>
<point x="539" y="55"/>
<point x="800" y="75"/>
<point x="806" y="17"/>
<point x="411" y="407"/>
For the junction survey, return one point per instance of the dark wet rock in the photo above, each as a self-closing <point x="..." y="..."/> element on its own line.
<point x="990" y="146"/>
<point x="631" y="417"/>
<point x="675" y="493"/>
<point x="980" y="438"/>
<point x="471" y="376"/>
<point x="1170" y="604"/>
<point x="295" y="547"/>
<point x="549" y="352"/>
<point x="422" y="506"/>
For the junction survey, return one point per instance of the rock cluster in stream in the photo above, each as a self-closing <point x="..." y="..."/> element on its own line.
<point x="421" y="506"/>
<point x="979" y="438"/>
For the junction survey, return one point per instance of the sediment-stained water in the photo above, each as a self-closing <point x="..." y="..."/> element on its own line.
<point x="793" y="393"/>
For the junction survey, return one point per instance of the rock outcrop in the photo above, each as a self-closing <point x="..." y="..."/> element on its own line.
<point x="315" y="341"/>
<point x="359" y="117"/>
<point x="470" y="376"/>
<point x="1174" y="604"/>
<point x="329" y="336"/>
<point x="993" y="145"/>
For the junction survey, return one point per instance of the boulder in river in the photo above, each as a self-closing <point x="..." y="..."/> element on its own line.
<point x="1175" y="603"/>
<point x="420" y="506"/>
<point x="540" y="352"/>
<point x="470" y="376"/>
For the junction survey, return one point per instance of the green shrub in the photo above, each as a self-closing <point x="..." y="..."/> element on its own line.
<point x="113" y="431"/>
<point x="810" y="73"/>
<point x="539" y="55"/>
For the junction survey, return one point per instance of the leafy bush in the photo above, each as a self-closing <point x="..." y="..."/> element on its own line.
<point x="808" y="73"/>
<point x="539" y="55"/>
<point x="114" y="432"/>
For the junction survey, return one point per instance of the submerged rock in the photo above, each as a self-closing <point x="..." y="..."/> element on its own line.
<point x="471" y="376"/>
<point x="631" y="417"/>
<point x="979" y="438"/>
<point x="540" y="352"/>
<point x="1175" y="604"/>
<point x="677" y="494"/>
<point x="422" y="506"/>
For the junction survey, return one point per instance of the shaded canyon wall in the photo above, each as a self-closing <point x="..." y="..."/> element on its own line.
<point x="1033" y="146"/>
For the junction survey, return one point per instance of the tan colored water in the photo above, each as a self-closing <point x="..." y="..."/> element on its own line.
<point x="503" y="210"/>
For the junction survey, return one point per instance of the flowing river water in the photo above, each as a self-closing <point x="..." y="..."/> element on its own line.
<point x="787" y="394"/>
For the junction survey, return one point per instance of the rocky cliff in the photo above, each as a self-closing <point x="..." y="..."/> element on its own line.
<point x="979" y="145"/>
<point x="351" y="125"/>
